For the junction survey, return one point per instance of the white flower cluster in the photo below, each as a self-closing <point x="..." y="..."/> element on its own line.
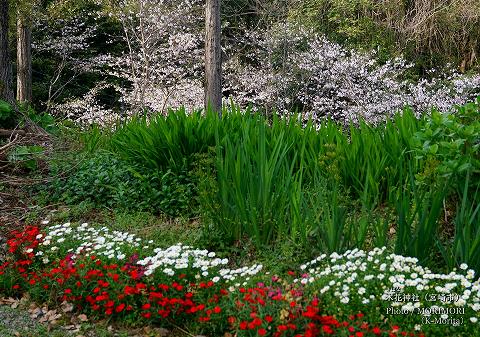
<point x="180" y="257"/>
<point x="244" y="272"/>
<point x="85" y="109"/>
<point x="86" y="240"/>
<point x="377" y="277"/>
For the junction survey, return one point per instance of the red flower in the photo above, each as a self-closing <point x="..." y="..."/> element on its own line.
<point x="120" y="307"/>
<point x="204" y="319"/>
<point x="257" y="321"/>
<point x="376" y="330"/>
<point x="129" y="290"/>
<point x="146" y="306"/>
<point x="217" y="310"/>
<point x="262" y="332"/>
<point x="243" y="325"/>
<point x="134" y="274"/>
<point x="268" y="318"/>
<point x="163" y="287"/>
<point x="139" y="286"/>
<point x="327" y="329"/>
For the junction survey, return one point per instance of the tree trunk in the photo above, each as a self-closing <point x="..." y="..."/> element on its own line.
<point x="213" y="61"/>
<point x="6" y="92"/>
<point x="24" y="60"/>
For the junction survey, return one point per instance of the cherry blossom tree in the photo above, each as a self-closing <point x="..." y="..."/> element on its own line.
<point x="293" y="68"/>
<point x="282" y="69"/>
<point x="164" y="57"/>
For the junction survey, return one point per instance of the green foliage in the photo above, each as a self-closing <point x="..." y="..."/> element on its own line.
<point x="451" y="143"/>
<point x="160" y="142"/>
<point x="418" y="215"/>
<point x="105" y="180"/>
<point x="464" y="247"/>
<point x="375" y="156"/>
<point x="434" y="37"/>
<point x="93" y="139"/>
<point x="261" y="178"/>
<point x="7" y="115"/>
<point x="250" y="198"/>
<point x="329" y="219"/>
<point x="269" y="180"/>
<point x="45" y="121"/>
<point x="347" y="22"/>
<point x="26" y="156"/>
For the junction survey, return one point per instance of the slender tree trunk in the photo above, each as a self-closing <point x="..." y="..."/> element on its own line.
<point x="24" y="60"/>
<point x="6" y="92"/>
<point x="213" y="59"/>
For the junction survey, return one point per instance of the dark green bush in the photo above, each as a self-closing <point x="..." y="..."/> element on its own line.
<point x="27" y="157"/>
<point x="7" y="115"/>
<point x="451" y="144"/>
<point x="105" y="180"/>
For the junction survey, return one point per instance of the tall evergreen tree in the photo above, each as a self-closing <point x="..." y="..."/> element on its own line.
<point x="24" y="58"/>
<point x="6" y="92"/>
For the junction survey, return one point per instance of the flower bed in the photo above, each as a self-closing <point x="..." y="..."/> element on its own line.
<point x="113" y="274"/>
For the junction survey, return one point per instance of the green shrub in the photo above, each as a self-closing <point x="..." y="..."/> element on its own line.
<point x="26" y="156"/>
<point x="464" y="246"/>
<point x="451" y="143"/>
<point x="163" y="142"/>
<point x="105" y="180"/>
<point x="7" y="115"/>
<point x="44" y="120"/>
<point x="254" y="176"/>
